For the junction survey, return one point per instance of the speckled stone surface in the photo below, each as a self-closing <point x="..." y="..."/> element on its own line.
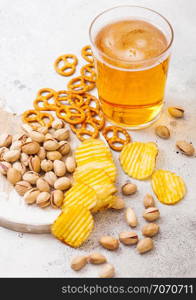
<point x="33" y="34"/>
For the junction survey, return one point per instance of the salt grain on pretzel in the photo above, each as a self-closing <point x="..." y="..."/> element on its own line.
<point x="68" y="67"/>
<point x="115" y="141"/>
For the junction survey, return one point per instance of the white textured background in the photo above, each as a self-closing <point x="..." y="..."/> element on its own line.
<point x="33" y="34"/>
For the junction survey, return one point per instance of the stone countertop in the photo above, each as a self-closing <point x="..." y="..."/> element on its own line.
<point x="33" y="34"/>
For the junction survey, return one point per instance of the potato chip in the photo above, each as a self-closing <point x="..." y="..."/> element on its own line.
<point x="73" y="226"/>
<point x="98" y="180"/>
<point x="80" y="194"/>
<point x="168" y="187"/>
<point x="103" y="203"/>
<point x="138" y="159"/>
<point x="93" y="153"/>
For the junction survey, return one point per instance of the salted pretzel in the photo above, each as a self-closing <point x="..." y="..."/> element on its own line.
<point x="88" y="72"/>
<point x="68" y="98"/>
<point x="45" y="119"/>
<point x="78" y="85"/>
<point x="68" y="67"/>
<point x="71" y="114"/>
<point x="115" y="141"/>
<point x="87" y="54"/>
<point x="46" y="93"/>
<point x="37" y="118"/>
<point x="96" y="116"/>
<point x="83" y="130"/>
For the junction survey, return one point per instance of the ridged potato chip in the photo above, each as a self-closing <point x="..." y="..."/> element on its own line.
<point x="80" y="194"/>
<point x="98" y="180"/>
<point x="103" y="203"/>
<point x="138" y="159"/>
<point x="168" y="187"/>
<point x="94" y="153"/>
<point x="73" y="226"/>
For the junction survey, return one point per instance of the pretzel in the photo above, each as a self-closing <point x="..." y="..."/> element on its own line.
<point x="46" y="93"/>
<point x="115" y="138"/>
<point x="96" y="116"/>
<point x="77" y="85"/>
<point x="89" y="85"/>
<point x="71" y="114"/>
<point x="84" y="131"/>
<point x="68" y="68"/>
<point x="39" y="104"/>
<point x="88" y="69"/>
<point x="90" y="101"/>
<point x="43" y="117"/>
<point x="68" y="98"/>
<point x="30" y="116"/>
<point x="87" y="54"/>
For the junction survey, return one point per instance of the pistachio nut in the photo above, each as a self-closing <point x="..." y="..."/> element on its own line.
<point x="150" y="229"/>
<point x="22" y="187"/>
<point x="58" y="124"/>
<point x="4" y="166"/>
<point x="46" y="165"/>
<point x="151" y="214"/>
<point x="50" y="177"/>
<point x="34" y="163"/>
<point x="48" y="137"/>
<point x="145" y="245"/>
<point x="129" y="189"/>
<point x="59" y="168"/>
<point x="61" y="134"/>
<point x="43" y="130"/>
<point x="54" y="155"/>
<point x="149" y="201"/>
<point x="31" y="196"/>
<point x="128" y="238"/>
<point x="109" y="242"/>
<point x="131" y="217"/>
<point x="24" y="158"/>
<point x="62" y="183"/>
<point x="51" y="145"/>
<point x="31" y="177"/>
<point x="185" y="147"/>
<point x="37" y="136"/>
<point x="13" y="175"/>
<point x="118" y="203"/>
<point x="43" y="199"/>
<point x="176" y="111"/>
<point x="19" y="166"/>
<point x="70" y="164"/>
<point x="5" y="140"/>
<point x="30" y="147"/>
<point x="162" y="131"/>
<point x="16" y="145"/>
<point x="11" y="155"/>
<point x="56" y="199"/>
<point x="107" y="271"/>
<point x="3" y="150"/>
<point x="96" y="258"/>
<point x="42" y="185"/>
<point x="42" y="153"/>
<point x="64" y="147"/>
<point x="79" y="262"/>
<point x="24" y="138"/>
<point x="26" y="128"/>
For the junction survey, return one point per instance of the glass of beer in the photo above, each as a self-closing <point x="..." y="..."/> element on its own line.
<point x="131" y="47"/>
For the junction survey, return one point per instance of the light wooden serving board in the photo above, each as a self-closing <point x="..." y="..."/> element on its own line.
<point x="15" y="214"/>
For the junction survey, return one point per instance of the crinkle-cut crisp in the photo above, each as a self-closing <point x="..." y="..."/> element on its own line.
<point x="138" y="159"/>
<point x="168" y="187"/>
<point x="73" y="226"/>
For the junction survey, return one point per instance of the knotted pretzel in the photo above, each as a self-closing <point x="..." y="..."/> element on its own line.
<point x="115" y="141"/>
